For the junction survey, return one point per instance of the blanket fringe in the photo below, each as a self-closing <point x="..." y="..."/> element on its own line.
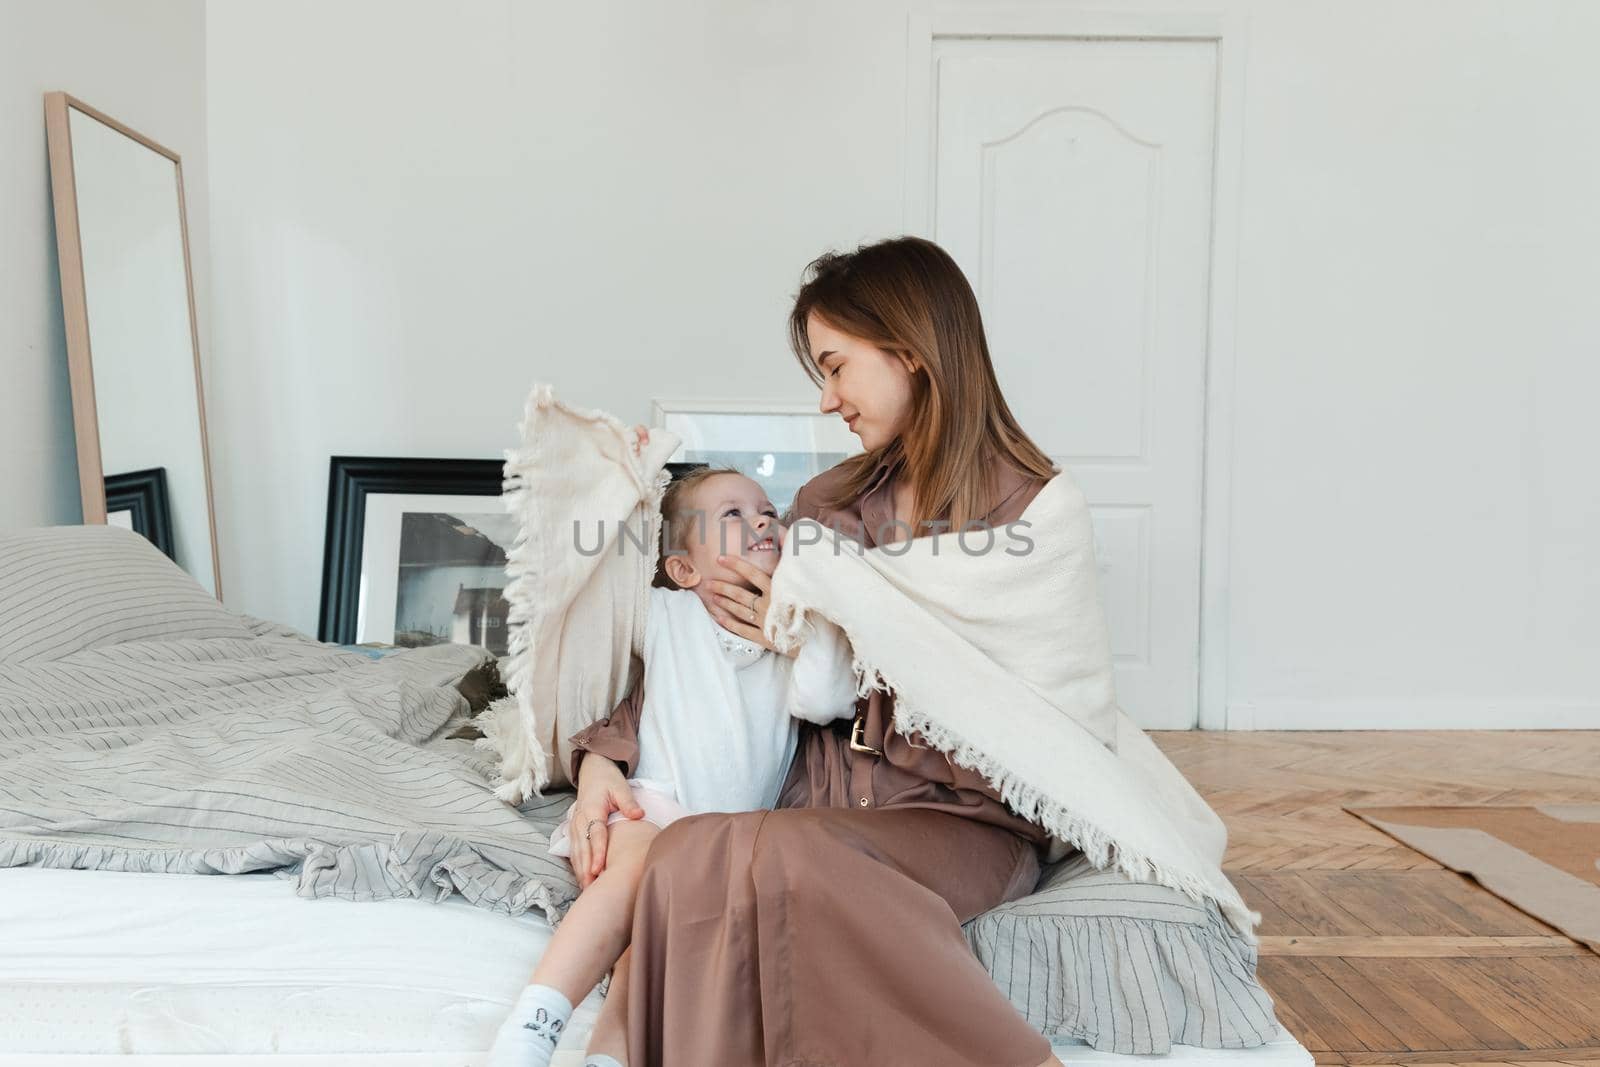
<point x="502" y="727"/>
<point x="524" y="768"/>
<point x="787" y="625"/>
<point x="1087" y="837"/>
<point x="524" y="761"/>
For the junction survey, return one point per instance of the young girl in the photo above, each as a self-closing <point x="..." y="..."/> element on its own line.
<point x="717" y="731"/>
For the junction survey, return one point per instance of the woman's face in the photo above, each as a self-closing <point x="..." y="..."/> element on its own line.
<point x="868" y="387"/>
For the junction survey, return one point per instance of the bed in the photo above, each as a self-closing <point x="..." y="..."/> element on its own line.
<point x="194" y="969"/>
<point x="104" y="963"/>
<point x="382" y="906"/>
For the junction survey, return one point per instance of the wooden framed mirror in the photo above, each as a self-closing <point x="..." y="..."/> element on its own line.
<point x="133" y="346"/>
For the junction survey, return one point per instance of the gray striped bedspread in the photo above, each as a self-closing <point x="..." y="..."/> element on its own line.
<point x="266" y="752"/>
<point x="143" y="727"/>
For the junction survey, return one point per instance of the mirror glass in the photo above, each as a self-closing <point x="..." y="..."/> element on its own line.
<point x="142" y="356"/>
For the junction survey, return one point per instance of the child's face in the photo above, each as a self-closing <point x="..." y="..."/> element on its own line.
<point x="728" y="515"/>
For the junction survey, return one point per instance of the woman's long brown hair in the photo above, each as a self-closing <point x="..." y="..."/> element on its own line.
<point x="907" y="295"/>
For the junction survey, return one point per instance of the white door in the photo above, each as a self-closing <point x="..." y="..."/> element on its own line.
<point x="1072" y="181"/>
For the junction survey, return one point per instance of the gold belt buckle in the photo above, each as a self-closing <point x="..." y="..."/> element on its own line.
<point x="856" y="732"/>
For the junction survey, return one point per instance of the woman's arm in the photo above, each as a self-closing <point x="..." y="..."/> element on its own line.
<point x="602" y="781"/>
<point x="616" y="737"/>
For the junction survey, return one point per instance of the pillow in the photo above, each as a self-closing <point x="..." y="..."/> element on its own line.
<point x="67" y="588"/>
<point x="1127" y="967"/>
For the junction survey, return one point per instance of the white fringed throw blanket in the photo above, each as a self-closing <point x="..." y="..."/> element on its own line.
<point x="586" y="549"/>
<point x="1001" y="659"/>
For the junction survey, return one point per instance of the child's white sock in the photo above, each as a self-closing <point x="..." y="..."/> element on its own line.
<point x="599" y="1059"/>
<point x="530" y="1034"/>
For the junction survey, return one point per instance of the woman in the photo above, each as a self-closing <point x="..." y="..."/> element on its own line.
<point x="829" y="931"/>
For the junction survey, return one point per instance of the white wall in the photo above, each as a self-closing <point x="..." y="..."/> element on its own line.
<point x="145" y="65"/>
<point x="419" y="209"/>
<point x="1416" y="512"/>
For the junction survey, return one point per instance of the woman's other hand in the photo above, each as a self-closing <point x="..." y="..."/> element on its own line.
<point x="737" y="609"/>
<point x="602" y="789"/>
<point x="643" y="438"/>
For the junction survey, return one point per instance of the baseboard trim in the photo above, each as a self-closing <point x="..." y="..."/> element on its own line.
<point x="1411" y="715"/>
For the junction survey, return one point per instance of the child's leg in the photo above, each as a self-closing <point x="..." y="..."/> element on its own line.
<point x="591" y="937"/>
<point x="600" y="922"/>
<point x="610" y="1037"/>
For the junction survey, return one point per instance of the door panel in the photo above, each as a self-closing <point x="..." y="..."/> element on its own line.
<point x="1073" y="183"/>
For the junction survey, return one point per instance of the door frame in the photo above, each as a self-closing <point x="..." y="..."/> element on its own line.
<point x="1229" y="33"/>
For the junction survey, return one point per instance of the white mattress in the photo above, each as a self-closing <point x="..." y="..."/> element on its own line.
<point x="106" y="962"/>
<point x="203" y="970"/>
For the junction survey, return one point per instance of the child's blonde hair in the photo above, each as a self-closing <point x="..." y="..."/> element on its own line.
<point x="676" y="516"/>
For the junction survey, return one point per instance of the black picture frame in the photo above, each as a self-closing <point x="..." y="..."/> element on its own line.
<point x="350" y="480"/>
<point x="144" y="494"/>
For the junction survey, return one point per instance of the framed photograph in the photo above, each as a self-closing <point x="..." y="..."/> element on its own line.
<point x="781" y="446"/>
<point x="415" y="552"/>
<point x="138" y="501"/>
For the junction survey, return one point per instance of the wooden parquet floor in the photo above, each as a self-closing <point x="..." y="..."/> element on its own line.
<point x="1374" y="953"/>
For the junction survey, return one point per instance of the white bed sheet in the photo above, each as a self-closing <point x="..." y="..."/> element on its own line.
<point x="107" y="962"/>
<point x="101" y="967"/>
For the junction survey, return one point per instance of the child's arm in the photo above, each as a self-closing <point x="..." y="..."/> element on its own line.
<point x="822" y="684"/>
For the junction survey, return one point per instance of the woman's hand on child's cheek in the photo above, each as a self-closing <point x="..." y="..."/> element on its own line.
<point x="733" y="608"/>
<point x="746" y="607"/>
<point x="761" y="579"/>
<point x="735" y="627"/>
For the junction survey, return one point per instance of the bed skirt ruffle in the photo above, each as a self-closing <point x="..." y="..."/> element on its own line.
<point x="1125" y="967"/>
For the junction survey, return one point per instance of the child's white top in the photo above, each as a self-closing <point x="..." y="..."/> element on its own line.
<point x="718" y="727"/>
